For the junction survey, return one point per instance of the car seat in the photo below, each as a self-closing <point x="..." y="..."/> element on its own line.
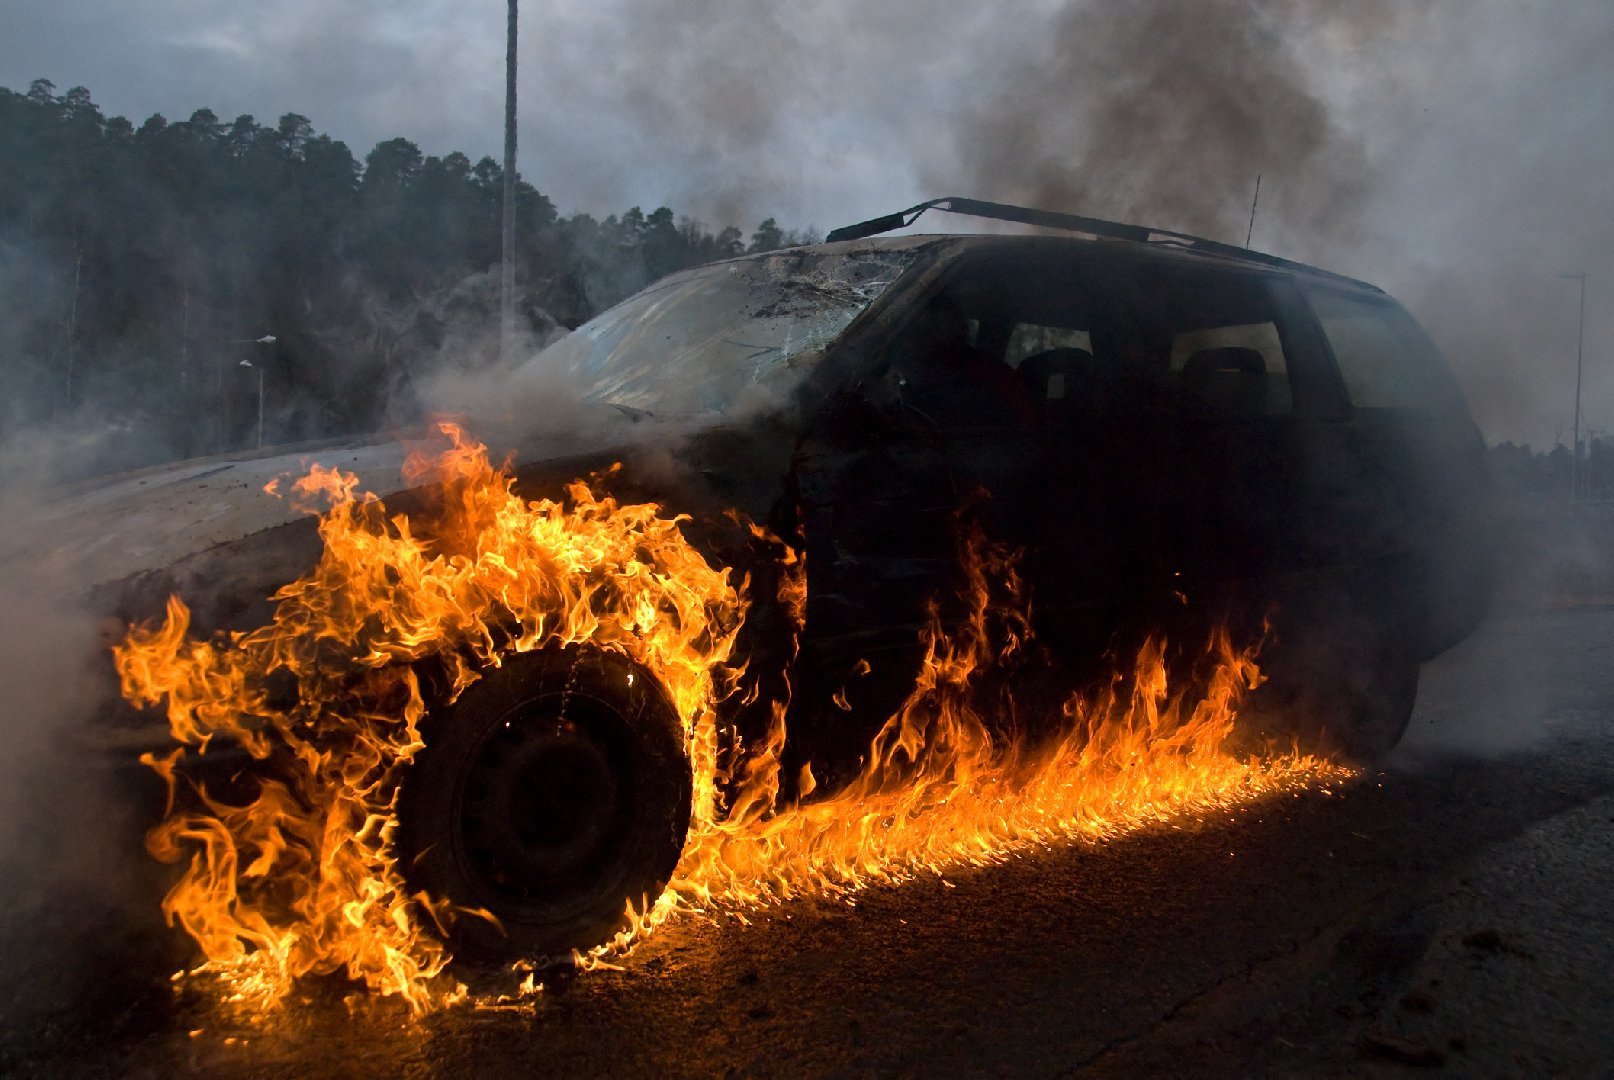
<point x="1061" y="380"/>
<point x="1227" y="382"/>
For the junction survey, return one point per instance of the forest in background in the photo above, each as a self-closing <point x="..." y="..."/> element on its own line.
<point x="139" y="266"/>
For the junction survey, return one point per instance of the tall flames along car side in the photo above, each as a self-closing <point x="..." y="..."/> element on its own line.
<point x="1176" y="434"/>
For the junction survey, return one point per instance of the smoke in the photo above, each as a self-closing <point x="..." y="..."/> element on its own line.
<point x="493" y="384"/>
<point x="1165" y="115"/>
<point x="1489" y="185"/>
<point x="1510" y="687"/>
<point x="75" y="880"/>
<point x="1452" y="151"/>
<point x="47" y="644"/>
<point x="79" y="896"/>
<point x="66" y="414"/>
<point x="1455" y="152"/>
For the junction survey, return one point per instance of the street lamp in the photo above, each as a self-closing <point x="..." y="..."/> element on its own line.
<point x="1580" y="341"/>
<point x="267" y="339"/>
<point x="507" y="233"/>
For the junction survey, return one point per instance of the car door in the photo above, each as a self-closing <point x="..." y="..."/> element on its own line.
<point x="1406" y="484"/>
<point x="1181" y="491"/>
<point x="930" y="427"/>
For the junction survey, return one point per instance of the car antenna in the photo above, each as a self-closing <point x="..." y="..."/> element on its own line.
<point x="1253" y="204"/>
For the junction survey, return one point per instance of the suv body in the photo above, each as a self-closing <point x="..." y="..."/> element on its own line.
<point x="1175" y="438"/>
<point x="1178" y="436"/>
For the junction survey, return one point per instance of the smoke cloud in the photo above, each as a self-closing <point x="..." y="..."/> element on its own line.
<point x="1166" y="116"/>
<point x="79" y="895"/>
<point x="1452" y="151"/>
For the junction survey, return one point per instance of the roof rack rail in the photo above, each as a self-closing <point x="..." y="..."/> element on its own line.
<point x="1048" y="219"/>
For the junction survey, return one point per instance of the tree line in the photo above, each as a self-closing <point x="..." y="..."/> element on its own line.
<point x="1519" y="470"/>
<point x="141" y="266"/>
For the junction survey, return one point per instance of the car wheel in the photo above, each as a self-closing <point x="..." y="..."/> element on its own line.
<point x="1374" y="707"/>
<point x="1352" y="694"/>
<point x="552" y="793"/>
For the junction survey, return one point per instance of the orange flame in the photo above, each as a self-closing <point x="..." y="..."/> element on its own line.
<point x="296" y="875"/>
<point x="300" y="877"/>
<point x="938" y="790"/>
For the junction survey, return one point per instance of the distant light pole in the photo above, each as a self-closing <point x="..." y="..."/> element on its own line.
<point x="267" y="339"/>
<point x="507" y="261"/>
<point x="1580" y="341"/>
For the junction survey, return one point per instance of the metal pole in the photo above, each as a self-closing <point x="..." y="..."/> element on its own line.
<point x="267" y="339"/>
<point x="1253" y="204"/>
<point x="1580" y="342"/>
<point x="507" y="268"/>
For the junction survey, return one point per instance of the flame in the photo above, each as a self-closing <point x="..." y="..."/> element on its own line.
<point x="939" y="790"/>
<point x="299" y="877"/>
<point x="292" y="871"/>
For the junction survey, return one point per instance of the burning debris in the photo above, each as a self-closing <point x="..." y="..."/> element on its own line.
<point x="294" y="864"/>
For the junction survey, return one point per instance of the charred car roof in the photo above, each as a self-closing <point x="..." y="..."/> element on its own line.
<point x="1166" y="242"/>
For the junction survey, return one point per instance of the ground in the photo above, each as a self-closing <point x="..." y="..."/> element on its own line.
<point x="1447" y="914"/>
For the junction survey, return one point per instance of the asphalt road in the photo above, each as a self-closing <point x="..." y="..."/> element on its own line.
<point x="1450" y="914"/>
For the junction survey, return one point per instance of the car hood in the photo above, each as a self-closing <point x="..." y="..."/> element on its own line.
<point x="114" y="528"/>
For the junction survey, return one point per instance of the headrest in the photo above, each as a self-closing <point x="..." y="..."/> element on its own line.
<point x="1226" y="360"/>
<point x="1055" y="360"/>
<point x="1228" y="382"/>
<point x="1056" y="377"/>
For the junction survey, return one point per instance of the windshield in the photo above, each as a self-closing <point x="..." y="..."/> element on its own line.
<point x="705" y="340"/>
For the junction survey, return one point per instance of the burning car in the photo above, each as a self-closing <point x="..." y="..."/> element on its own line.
<point x="1135" y="436"/>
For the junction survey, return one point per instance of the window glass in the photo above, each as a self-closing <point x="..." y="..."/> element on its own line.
<point x="703" y="340"/>
<point x="1208" y="340"/>
<point x="1262" y="337"/>
<point x="1029" y="338"/>
<point x="1384" y="359"/>
<point x="1089" y="333"/>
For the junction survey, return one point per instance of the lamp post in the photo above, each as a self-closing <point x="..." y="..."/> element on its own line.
<point x="507" y="232"/>
<point x="267" y="339"/>
<point x="1580" y="341"/>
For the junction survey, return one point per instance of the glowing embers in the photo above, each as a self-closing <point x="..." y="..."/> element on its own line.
<point x="293" y="871"/>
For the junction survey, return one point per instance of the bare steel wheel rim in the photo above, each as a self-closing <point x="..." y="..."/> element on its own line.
<point x="545" y="800"/>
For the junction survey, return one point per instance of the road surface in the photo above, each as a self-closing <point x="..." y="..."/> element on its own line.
<point x="1448" y="915"/>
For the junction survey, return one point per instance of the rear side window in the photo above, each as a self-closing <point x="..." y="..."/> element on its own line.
<point x="1259" y="337"/>
<point x="1384" y="358"/>
<point x="1236" y="371"/>
<point x="1212" y="337"/>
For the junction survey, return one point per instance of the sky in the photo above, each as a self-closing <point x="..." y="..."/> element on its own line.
<point x="1459" y="153"/>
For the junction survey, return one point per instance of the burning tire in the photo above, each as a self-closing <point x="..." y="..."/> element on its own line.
<point x="553" y="792"/>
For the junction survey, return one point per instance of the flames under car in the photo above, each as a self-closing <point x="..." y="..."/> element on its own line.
<point x="1063" y="452"/>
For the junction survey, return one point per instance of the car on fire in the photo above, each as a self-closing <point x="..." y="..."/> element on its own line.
<point x="1173" y="433"/>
